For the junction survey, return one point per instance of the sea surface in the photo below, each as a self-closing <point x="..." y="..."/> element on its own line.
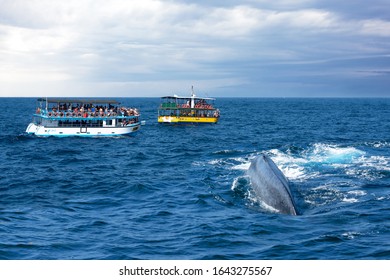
<point x="181" y="192"/>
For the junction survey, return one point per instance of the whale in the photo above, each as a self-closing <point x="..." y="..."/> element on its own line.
<point x="270" y="185"/>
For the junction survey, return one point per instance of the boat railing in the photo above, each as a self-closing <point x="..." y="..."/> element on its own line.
<point x="193" y="114"/>
<point x="174" y="106"/>
<point x="87" y="114"/>
<point x="204" y="106"/>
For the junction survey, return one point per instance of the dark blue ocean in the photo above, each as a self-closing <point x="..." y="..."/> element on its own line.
<point x="181" y="192"/>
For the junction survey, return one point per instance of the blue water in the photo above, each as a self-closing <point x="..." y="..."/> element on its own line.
<point x="181" y="192"/>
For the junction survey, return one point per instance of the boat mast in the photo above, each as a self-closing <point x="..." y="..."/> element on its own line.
<point x="192" y="97"/>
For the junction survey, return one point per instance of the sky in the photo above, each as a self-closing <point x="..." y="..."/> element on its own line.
<point x="151" y="48"/>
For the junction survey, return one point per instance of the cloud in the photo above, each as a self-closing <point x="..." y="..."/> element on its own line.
<point x="376" y="28"/>
<point x="127" y="46"/>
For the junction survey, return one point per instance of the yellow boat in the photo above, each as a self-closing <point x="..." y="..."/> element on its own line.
<point x="175" y="109"/>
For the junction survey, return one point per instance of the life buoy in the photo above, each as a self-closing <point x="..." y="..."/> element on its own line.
<point x="68" y="114"/>
<point x="50" y="114"/>
<point x="79" y="114"/>
<point x="61" y="114"/>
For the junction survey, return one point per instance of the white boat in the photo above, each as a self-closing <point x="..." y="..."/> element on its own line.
<point x="83" y="117"/>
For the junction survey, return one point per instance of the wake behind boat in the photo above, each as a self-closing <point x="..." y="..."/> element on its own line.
<point x="193" y="109"/>
<point x="83" y="117"/>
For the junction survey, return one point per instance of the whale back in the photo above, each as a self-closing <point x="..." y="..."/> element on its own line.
<point x="270" y="184"/>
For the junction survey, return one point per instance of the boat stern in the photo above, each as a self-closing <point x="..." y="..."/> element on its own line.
<point x="32" y="128"/>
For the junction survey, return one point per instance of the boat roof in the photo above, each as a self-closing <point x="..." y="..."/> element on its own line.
<point x="189" y="97"/>
<point x="81" y="101"/>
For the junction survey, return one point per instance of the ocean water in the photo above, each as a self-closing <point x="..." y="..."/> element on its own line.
<point x="181" y="192"/>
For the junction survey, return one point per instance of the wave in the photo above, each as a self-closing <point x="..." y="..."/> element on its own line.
<point x="314" y="161"/>
<point x="321" y="160"/>
<point x="332" y="193"/>
<point x="227" y="152"/>
<point x="233" y="163"/>
<point x="378" y="144"/>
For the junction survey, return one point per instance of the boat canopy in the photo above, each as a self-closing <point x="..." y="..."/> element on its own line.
<point x="80" y="101"/>
<point x="186" y="98"/>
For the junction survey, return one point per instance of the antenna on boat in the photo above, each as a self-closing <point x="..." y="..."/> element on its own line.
<point x="192" y="91"/>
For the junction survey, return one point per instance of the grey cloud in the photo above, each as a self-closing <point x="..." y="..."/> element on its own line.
<point x="257" y="47"/>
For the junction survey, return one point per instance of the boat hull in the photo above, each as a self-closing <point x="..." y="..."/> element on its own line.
<point x="175" y="119"/>
<point x="41" y="130"/>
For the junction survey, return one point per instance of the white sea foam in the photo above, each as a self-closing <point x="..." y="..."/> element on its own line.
<point x="369" y="167"/>
<point x="351" y="234"/>
<point x="227" y="151"/>
<point x="215" y="161"/>
<point x="357" y="192"/>
<point x="378" y="144"/>
<point x="234" y="184"/>
<point x="240" y="163"/>
<point x="242" y="166"/>
<point x="350" y="200"/>
<point x="282" y="158"/>
<point x="239" y="181"/>
<point x="234" y="163"/>
<point x="377" y="162"/>
<point x="309" y="163"/>
<point x="297" y="173"/>
<point x="326" y="153"/>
